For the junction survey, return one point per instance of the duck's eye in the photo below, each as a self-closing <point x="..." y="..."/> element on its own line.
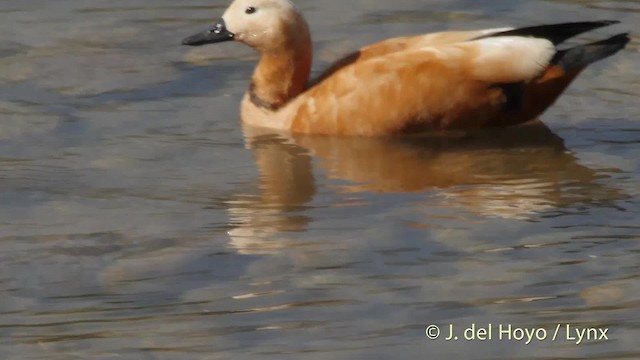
<point x="250" y="10"/>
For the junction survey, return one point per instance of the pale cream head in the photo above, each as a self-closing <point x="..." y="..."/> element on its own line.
<point x="264" y="24"/>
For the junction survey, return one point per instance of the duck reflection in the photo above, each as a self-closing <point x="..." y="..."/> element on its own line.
<point x="510" y="173"/>
<point x="286" y="185"/>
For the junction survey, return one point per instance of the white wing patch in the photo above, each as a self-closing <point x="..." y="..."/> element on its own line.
<point x="511" y="58"/>
<point x="494" y="31"/>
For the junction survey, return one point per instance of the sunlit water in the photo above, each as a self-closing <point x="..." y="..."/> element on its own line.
<point x="139" y="221"/>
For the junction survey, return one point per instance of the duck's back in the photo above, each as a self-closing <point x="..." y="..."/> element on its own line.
<point x="420" y="88"/>
<point x="404" y="43"/>
<point x="428" y="83"/>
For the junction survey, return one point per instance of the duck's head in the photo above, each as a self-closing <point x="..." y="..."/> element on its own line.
<point x="261" y="24"/>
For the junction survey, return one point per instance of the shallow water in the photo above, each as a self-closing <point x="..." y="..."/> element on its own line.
<point x="139" y="221"/>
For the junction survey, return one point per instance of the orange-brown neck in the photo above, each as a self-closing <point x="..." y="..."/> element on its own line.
<point x="282" y="72"/>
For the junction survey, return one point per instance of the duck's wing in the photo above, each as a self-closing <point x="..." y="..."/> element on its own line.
<point x="498" y="80"/>
<point x="405" y="43"/>
<point x="431" y="87"/>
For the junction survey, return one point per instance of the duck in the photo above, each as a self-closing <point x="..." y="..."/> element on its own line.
<point x="452" y="80"/>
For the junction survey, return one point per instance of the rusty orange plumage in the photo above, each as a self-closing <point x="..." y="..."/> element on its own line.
<point x="406" y="85"/>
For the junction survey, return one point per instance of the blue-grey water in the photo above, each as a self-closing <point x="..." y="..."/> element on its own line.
<point x="138" y="220"/>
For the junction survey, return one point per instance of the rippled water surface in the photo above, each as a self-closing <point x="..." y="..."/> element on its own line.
<point x="139" y="221"/>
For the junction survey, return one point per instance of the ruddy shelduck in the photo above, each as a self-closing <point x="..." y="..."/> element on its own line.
<point x="439" y="81"/>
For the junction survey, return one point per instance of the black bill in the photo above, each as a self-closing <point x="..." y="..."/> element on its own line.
<point x="218" y="33"/>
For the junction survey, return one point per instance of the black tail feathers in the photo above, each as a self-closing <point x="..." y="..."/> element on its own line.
<point x="584" y="55"/>
<point x="556" y="33"/>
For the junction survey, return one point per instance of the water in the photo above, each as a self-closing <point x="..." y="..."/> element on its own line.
<point x="139" y="221"/>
